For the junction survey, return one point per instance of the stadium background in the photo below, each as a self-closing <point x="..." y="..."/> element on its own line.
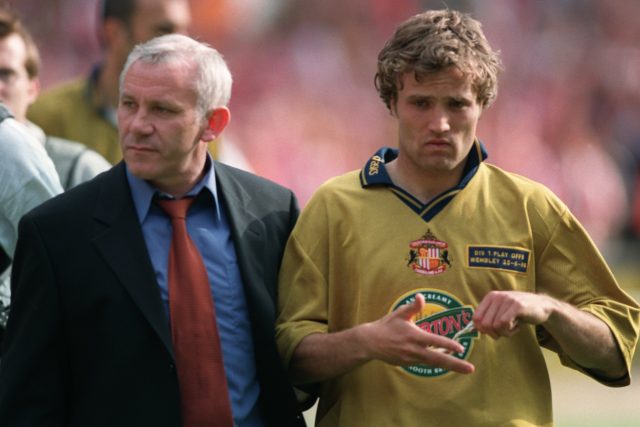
<point x="304" y="109"/>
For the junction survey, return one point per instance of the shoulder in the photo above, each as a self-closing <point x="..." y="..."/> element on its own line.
<point x="58" y="100"/>
<point x="79" y="200"/>
<point x="347" y="182"/>
<point x="65" y="148"/>
<point x="74" y="88"/>
<point x="511" y="187"/>
<point x="74" y="161"/>
<point x="22" y="152"/>
<point x="346" y="187"/>
<point x="235" y="179"/>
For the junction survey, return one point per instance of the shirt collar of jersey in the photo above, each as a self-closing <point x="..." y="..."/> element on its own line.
<point x="375" y="174"/>
<point x="143" y="192"/>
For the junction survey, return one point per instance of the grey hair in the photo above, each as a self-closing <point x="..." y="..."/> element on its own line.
<point x="213" y="81"/>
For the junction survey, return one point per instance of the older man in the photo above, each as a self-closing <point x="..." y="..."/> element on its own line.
<point x="118" y="320"/>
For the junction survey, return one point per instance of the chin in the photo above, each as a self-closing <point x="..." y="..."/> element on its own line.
<point x="140" y="170"/>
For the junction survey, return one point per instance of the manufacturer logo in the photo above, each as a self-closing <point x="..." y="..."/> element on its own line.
<point x="443" y="315"/>
<point x="428" y="255"/>
<point x="374" y="165"/>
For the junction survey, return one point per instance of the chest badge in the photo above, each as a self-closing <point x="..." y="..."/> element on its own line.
<point x="428" y="255"/>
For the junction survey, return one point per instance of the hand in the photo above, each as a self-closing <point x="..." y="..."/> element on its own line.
<point x="395" y="339"/>
<point x="500" y="313"/>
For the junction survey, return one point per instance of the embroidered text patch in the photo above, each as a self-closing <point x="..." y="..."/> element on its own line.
<point x="498" y="257"/>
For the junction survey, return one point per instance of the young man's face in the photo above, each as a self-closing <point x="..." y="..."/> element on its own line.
<point x="153" y="18"/>
<point x="17" y="90"/>
<point x="437" y="120"/>
<point x="150" y="18"/>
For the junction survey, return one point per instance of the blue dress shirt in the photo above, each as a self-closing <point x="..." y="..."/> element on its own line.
<point x="209" y="229"/>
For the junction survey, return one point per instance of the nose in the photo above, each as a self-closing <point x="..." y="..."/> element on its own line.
<point x="438" y="121"/>
<point x="140" y="123"/>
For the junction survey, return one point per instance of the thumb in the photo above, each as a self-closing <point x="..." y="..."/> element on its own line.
<point x="406" y="312"/>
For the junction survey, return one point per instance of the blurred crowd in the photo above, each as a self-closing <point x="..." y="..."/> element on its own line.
<point x="305" y="109"/>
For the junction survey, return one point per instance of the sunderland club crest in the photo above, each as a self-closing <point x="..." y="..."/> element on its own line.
<point x="428" y="255"/>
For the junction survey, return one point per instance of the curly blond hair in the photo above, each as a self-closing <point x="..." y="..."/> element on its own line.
<point x="433" y="41"/>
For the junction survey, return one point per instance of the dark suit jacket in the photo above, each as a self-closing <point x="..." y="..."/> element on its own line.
<point x="88" y="343"/>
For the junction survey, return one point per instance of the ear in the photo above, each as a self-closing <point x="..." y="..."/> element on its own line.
<point x="33" y="91"/>
<point x="393" y="106"/>
<point x="216" y="122"/>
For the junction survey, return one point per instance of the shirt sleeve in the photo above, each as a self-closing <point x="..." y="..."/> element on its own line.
<point x="570" y="268"/>
<point x="303" y="288"/>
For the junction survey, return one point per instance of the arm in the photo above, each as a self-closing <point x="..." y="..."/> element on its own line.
<point x="27" y="178"/>
<point x="393" y="339"/>
<point x="586" y="339"/>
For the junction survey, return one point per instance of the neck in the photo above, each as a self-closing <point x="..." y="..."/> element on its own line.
<point x="108" y="83"/>
<point x="182" y="182"/>
<point x="422" y="184"/>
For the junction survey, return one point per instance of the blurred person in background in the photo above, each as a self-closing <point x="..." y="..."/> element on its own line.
<point x="19" y="87"/>
<point x="416" y="290"/>
<point x="27" y="178"/>
<point x="84" y="109"/>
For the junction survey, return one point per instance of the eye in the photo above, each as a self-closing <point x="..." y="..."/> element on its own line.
<point x="6" y="74"/>
<point x="162" y="110"/>
<point x="127" y="103"/>
<point x="457" y="104"/>
<point x="165" y="29"/>
<point x="420" y="102"/>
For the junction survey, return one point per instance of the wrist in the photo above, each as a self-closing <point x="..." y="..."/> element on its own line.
<point x="364" y="342"/>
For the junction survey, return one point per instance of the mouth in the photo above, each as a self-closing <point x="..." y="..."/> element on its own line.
<point x="138" y="149"/>
<point x="437" y="144"/>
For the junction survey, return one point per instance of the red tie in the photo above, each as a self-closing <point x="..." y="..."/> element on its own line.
<point x="203" y="385"/>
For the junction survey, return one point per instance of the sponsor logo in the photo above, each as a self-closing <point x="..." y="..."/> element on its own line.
<point x="428" y="255"/>
<point x="443" y="315"/>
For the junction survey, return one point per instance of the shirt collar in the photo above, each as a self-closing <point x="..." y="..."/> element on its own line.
<point x="143" y="192"/>
<point x="95" y="99"/>
<point x="375" y="172"/>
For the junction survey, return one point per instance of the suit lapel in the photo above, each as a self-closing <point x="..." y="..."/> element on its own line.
<point x="122" y="246"/>
<point x="248" y="235"/>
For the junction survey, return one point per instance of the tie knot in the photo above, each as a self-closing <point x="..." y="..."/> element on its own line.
<point x="175" y="208"/>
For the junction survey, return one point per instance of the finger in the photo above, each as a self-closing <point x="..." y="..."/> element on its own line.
<point x="484" y="305"/>
<point x="514" y="329"/>
<point x="407" y="312"/>
<point x="443" y="344"/>
<point x="485" y="320"/>
<point x="442" y="360"/>
<point x="510" y="325"/>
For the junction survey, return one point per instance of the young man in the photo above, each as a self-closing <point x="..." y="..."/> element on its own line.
<point x="27" y="178"/>
<point x="97" y="332"/>
<point x="20" y="64"/>
<point x="387" y="264"/>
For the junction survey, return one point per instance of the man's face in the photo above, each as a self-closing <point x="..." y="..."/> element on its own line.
<point x="153" y="18"/>
<point x="17" y="90"/>
<point x="437" y="119"/>
<point x="162" y="135"/>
